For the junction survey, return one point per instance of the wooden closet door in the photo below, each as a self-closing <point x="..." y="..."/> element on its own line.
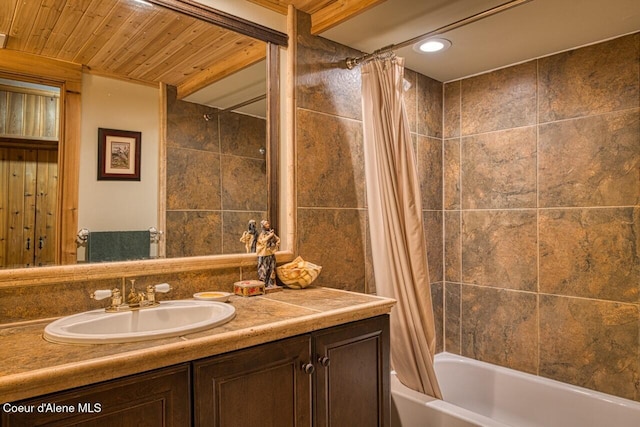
<point x="19" y="211"/>
<point x="46" y="203"/>
<point x="28" y="178"/>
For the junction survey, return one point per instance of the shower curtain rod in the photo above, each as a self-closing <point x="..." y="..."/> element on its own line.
<point x="242" y="104"/>
<point x="354" y="62"/>
<point x="208" y="117"/>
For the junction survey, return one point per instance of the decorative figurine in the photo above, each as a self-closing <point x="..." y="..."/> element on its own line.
<point x="267" y="245"/>
<point x="250" y="236"/>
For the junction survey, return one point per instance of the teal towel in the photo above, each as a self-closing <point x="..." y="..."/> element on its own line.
<point x="118" y="246"/>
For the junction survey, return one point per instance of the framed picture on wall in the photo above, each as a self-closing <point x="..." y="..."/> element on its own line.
<point x="118" y="155"/>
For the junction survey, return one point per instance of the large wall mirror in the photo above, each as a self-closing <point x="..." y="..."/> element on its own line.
<point x="195" y="89"/>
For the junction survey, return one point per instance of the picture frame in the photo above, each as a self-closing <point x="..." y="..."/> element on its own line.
<point x="119" y="155"/>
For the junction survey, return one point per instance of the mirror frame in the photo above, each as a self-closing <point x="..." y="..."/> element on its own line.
<point x="69" y="78"/>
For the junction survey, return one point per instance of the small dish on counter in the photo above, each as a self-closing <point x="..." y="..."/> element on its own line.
<point x="213" y="296"/>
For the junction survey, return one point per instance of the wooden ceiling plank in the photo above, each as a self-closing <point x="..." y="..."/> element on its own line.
<point x="117" y="17"/>
<point x="47" y="18"/>
<point x="7" y="11"/>
<point x="194" y="39"/>
<point x="82" y="34"/>
<point x="149" y="29"/>
<point x="22" y="24"/>
<point x="217" y="51"/>
<point x="339" y="12"/>
<point x="240" y="60"/>
<point x="185" y="61"/>
<point x="116" y="51"/>
<point x="147" y="47"/>
<point x="67" y="23"/>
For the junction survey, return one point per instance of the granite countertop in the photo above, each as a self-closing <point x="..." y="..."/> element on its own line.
<point x="32" y="366"/>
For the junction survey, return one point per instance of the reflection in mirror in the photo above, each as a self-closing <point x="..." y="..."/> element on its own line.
<point x="216" y="177"/>
<point x="29" y="133"/>
<point x="183" y="83"/>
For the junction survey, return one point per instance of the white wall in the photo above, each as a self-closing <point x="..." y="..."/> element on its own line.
<point x="118" y="205"/>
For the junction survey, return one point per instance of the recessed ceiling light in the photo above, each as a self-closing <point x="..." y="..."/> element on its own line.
<point x="432" y="45"/>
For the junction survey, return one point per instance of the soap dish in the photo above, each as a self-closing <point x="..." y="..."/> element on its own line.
<point x="213" y="296"/>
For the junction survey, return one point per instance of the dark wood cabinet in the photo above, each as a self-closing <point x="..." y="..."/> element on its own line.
<point x="153" y="399"/>
<point x="334" y="377"/>
<point x="261" y="386"/>
<point x="352" y="375"/>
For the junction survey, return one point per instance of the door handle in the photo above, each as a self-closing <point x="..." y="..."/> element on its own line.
<point x="324" y="361"/>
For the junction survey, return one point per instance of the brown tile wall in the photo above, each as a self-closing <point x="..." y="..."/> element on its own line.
<point x="542" y="217"/>
<point x="216" y="178"/>
<point x="332" y="210"/>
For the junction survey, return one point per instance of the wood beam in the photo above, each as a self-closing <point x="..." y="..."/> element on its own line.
<point x="250" y="55"/>
<point x="307" y="6"/>
<point x="338" y="12"/>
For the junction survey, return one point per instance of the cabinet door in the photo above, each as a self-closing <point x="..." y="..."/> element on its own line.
<point x="153" y="399"/>
<point x="352" y="375"/>
<point x="264" y="386"/>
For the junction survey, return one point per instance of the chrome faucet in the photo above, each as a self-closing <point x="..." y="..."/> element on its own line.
<point x="134" y="301"/>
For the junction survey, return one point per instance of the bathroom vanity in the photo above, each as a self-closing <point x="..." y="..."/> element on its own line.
<point x="317" y="357"/>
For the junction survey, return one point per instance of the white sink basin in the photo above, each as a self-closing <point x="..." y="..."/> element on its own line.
<point x="169" y="319"/>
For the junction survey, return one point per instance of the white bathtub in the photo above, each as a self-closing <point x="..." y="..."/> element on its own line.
<point x="482" y="394"/>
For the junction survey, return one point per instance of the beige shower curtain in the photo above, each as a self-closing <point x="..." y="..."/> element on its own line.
<point x="395" y="223"/>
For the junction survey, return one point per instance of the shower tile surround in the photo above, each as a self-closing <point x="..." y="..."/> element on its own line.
<point x="530" y="197"/>
<point x="539" y="272"/>
<point x="542" y="217"/>
<point x="332" y="219"/>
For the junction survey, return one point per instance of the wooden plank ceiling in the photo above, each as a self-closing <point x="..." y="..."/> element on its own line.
<point x="146" y="43"/>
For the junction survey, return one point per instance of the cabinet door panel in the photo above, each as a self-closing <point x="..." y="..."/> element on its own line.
<point x="261" y="386"/>
<point x="353" y="389"/>
<point x="153" y="399"/>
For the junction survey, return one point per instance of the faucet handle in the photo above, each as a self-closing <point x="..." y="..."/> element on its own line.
<point x="101" y="294"/>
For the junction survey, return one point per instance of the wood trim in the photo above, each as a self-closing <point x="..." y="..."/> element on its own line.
<point x="69" y="176"/>
<point x="338" y="12"/>
<point x="67" y="76"/>
<point x="162" y="172"/>
<point x="273" y="134"/>
<point x="21" y="142"/>
<point x="42" y="276"/>
<point x="307" y="6"/>
<point x="29" y="91"/>
<point x="41" y="69"/>
<point x="225" y="20"/>
<point x="290" y="126"/>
